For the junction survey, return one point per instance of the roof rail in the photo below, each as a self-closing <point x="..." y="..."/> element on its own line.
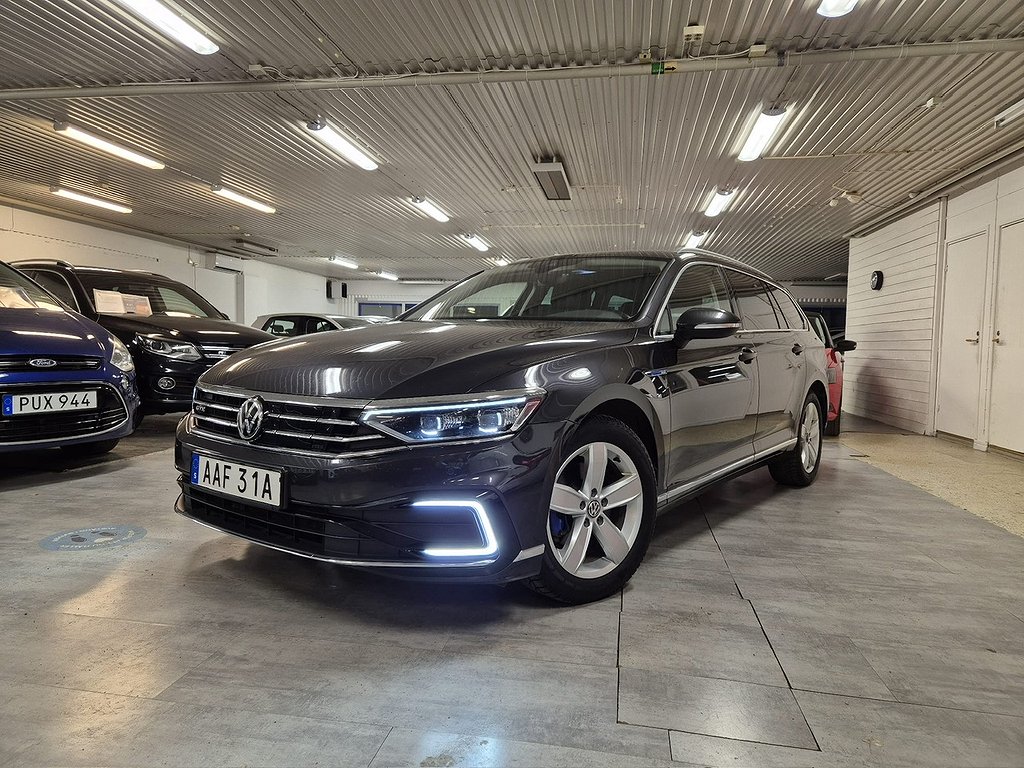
<point x="58" y="262"/>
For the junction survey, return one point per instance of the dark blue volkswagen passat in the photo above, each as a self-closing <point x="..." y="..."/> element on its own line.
<point x="65" y="382"/>
<point x="526" y="423"/>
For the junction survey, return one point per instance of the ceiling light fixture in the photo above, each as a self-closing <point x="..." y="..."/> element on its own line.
<point x="386" y="275"/>
<point x="249" y="245"/>
<point x="761" y="134"/>
<point x="719" y="202"/>
<point x="476" y="242"/>
<point x="430" y="209"/>
<point x="500" y="262"/>
<point x="552" y="179"/>
<point x="695" y="239"/>
<point x="344" y="262"/>
<point x="106" y="146"/>
<point x="241" y="199"/>
<point x="161" y="17"/>
<point x="1009" y="114"/>
<point x="341" y="144"/>
<point x="832" y="9"/>
<point x="90" y="200"/>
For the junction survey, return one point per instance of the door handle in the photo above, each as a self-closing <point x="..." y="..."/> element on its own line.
<point x="798" y="348"/>
<point x="972" y="341"/>
<point x="747" y="355"/>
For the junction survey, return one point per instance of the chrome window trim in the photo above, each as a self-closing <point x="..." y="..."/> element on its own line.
<point x="127" y="410"/>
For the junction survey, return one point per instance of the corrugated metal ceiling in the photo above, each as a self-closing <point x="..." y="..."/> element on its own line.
<point x="643" y="154"/>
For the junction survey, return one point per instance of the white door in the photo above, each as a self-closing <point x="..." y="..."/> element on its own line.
<point x="960" y="347"/>
<point x="1006" y="422"/>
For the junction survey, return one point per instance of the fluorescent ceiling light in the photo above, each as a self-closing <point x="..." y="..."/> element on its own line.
<point x="106" y="146"/>
<point x="767" y="124"/>
<point x="428" y="207"/>
<point x="552" y="179"/>
<point x="719" y="202"/>
<point x="241" y="199"/>
<point x="832" y="9"/>
<point x="344" y="262"/>
<point x="161" y="17"/>
<point x="476" y="242"/>
<point x="1008" y="114"/>
<point x="386" y="275"/>
<point x="695" y="239"/>
<point x="341" y="144"/>
<point x="90" y="200"/>
<point x="258" y="247"/>
<point x="500" y="262"/>
<point x="426" y="281"/>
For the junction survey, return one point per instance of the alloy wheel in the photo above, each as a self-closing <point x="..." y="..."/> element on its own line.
<point x="810" y="437"/>
<point x="596" y="510"/>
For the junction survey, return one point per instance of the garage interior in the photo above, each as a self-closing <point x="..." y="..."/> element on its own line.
<point x="875" y="618"/>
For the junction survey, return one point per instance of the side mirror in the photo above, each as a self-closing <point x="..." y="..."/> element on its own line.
<point x="846" y="345"/>
<point x="705" y="323"/>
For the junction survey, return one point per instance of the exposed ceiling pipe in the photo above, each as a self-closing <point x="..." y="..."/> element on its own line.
<point x="417" y="80"/>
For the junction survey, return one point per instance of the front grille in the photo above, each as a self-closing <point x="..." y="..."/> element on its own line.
<point x="383" y="535"/>
<point x="217" y="352"/>
<point x="23" y="363"/>
<point x="33" y="427"/>
<point x="323" y="429"/>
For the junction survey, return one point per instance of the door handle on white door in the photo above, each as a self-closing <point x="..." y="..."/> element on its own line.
<point x="973" y="341"/>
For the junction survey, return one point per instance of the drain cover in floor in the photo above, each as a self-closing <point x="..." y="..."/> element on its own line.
<point x="96" y="537"/>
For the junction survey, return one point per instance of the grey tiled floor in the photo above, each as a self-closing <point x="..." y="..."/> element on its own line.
<point x="858" y="622"/>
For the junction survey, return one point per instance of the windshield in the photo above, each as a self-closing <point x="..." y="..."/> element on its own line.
<point x="590" y="288"/>
<point x="129" y="293"/>
<point x="18" y="292"/>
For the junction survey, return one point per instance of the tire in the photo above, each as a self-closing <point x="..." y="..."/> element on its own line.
<point x="84" y="450"/>
<point x="595" y="542"/>
<point x="832" y="428"/>
<point x="799" y="466"/>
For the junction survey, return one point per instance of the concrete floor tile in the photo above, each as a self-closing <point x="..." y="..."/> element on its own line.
<point x="714" y="751"/>
<point x="725" y="708"/>
<point x="883" y="734"/>
<point x="982" y="679"/>
<point x="691" y="644"/>
<point x="828" y="663"/>
<point x="406" y="748"/>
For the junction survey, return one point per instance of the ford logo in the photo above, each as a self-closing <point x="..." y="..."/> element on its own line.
<point x="43" y="362"/>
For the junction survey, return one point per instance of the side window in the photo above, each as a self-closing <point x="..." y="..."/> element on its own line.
<point x="282" y="326"/>
<point x="55" y="284"/>
<point x="701" y="285"/>
<point x="754" y="302"/>
<point x="790" y="314"/>
<point x="318" y="325"/>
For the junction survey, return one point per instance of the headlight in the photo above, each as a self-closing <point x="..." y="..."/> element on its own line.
<point x="177" y="350"/>
<point x="463" y="418"/>
<point x="121" y="358"/>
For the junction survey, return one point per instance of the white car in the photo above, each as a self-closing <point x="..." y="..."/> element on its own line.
<point x="299" y="324"/>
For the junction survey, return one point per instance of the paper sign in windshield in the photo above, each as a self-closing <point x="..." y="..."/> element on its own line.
<point x="117" y="303"/>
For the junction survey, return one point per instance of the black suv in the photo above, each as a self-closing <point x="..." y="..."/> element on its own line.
<point x="536" y="442"/>
<point x="174" y="334"/>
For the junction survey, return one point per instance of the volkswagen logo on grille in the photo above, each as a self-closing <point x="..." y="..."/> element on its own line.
<point x="43" y="362"/>
<point x="250" y="418"/>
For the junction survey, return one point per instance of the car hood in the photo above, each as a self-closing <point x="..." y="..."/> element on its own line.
<point x="197" y="330"/>
<point x="409" y="359"/>
<point x="45" y="332"/>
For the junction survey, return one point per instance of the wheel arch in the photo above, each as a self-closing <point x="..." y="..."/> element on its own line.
<point x="820" y="391"/>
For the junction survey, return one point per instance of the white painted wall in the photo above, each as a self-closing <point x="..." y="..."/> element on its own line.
<point x="889" y="376"/>
<point x="265" y="287"/>
<point x="893" y="374"/>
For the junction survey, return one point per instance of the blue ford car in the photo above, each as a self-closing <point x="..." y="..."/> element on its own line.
<point x="65" y="382"/>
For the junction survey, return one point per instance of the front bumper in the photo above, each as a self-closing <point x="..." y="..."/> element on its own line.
<point x="410" y="511"/>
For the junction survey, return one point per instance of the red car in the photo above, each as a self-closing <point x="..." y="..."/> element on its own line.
<point x="834" y="361"/>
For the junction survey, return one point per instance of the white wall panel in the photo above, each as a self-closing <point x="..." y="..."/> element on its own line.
<point x="887" y="378"/>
